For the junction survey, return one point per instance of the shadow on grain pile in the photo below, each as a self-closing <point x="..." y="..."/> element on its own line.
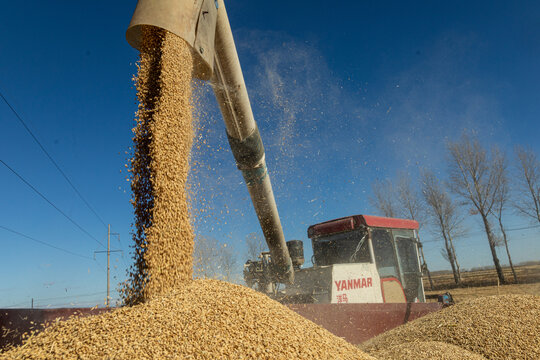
<point x="419" y="350"/>
<point x="495" y="327"/>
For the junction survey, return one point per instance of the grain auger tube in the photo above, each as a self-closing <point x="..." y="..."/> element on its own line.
<point x="204" y="25"/>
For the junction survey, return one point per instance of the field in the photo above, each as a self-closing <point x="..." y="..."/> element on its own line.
<point x="483" y="282"/>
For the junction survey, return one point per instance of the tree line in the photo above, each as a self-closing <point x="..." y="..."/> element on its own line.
<point x="215" y="260"/>
<point x="478" y="179"/>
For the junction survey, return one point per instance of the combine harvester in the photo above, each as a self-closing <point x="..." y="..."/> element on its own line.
<point x="365" y="279"/>
<point x="366" y="276"/>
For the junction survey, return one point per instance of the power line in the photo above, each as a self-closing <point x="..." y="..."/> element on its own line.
<point x="56" y="298"/>
<point x="45" y="243"/>
<point x="71" y="296"/>
<point x="99" y="266"/>
<point x="524" y="228"/>
<point x="50" y="202"/>
<point x="441" y="241"/>
<point x="51" y="159"/>
<point x="477" y="233"/>
<point x="15" y="305"/>
<point x="121" y="247"/>
<point x="86" y="303"/>
<point x="76" y="304"/>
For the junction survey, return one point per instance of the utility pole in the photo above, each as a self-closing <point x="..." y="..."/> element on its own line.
<point x="108" y="264"/>
<point x="109" y="251"/>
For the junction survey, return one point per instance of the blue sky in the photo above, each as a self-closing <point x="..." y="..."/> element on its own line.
<point x="343" y="95"/>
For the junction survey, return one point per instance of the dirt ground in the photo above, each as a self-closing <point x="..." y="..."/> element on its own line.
<point x="484" y="283"/>
<point x="444" y="281"/>
<point x="467" y="293"/>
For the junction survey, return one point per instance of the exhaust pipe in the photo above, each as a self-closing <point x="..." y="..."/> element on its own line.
<point x="204" y="25"/>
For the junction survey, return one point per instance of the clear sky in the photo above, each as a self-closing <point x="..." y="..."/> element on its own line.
<point x="343" y="95"/>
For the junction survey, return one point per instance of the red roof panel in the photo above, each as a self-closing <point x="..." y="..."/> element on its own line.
<point x="355" y="221"/>
<point x="392" y="223"/>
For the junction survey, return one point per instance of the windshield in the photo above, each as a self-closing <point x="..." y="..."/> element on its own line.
<point x="342" y="248"/>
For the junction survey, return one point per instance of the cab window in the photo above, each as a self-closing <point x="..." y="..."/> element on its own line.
<point x="385" y="257"/>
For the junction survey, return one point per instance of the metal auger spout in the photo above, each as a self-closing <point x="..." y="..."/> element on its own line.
<point x="204" y="25"/>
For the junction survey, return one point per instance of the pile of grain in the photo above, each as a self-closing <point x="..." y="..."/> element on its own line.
<point x="427" y="350"/>
<point x="206" y="319"/>
<point x="496" y="327"/>
<point x="163" y="235"/>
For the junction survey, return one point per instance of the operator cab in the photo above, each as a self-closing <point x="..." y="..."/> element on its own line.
<point x="390" y="244"/>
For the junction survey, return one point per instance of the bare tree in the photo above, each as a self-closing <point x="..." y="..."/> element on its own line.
<point x="412" y="207"/>
<point x="213" y="260"/>
<point x="445" y="217"/>
<point x="528" y="189"/>
<point x="409" y="201"/>
<point x="228" y="263"/>
<point x="501" y="199"/>
<point x="255" y="245"/>
<point x="384" y="198"/>
<point x="205" y="258"/>
<point x="472" y="178"/>
<point x="444" y="254"/>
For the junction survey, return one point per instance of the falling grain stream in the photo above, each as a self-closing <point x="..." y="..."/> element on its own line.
<point x="160" y="164"/>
